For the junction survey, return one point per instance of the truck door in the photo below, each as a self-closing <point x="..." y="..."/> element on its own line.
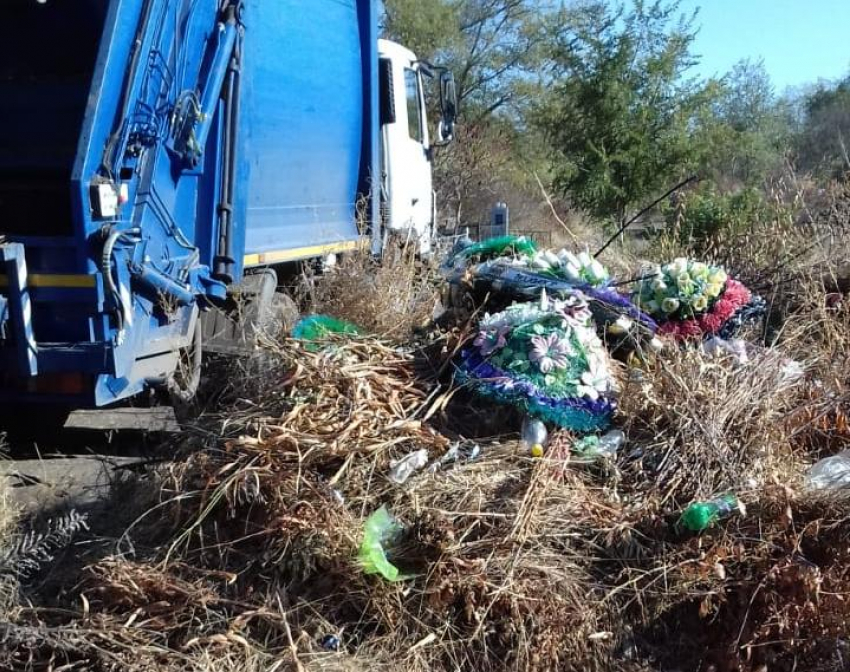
<point x="407" y="152"/>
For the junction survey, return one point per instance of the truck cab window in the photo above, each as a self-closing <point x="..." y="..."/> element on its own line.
<point x="414" y="116"/>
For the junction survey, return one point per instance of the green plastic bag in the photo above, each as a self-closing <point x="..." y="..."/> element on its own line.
<point x="316" y="327"/>
<point x="380" y="528"/>
<point x="495" y="247"/>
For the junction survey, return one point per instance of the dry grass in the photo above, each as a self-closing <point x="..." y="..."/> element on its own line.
<point x="9" y="518"/>
<point x="518" y="564"/>
<point x="706" y="424"/>
<point x="390" y="298"/>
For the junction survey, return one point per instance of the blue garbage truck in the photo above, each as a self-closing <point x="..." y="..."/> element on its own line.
<point x="158" y="157"/>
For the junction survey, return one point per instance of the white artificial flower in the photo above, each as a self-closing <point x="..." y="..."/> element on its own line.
<point x="598" y="271"/>
<point x="670" y="305"/>
<point x="699" y="269"/>
<point x="678" y="266"/>
<point x="572" y="271"/>
<point x="551" y="257"/>
<point x="544" y="300"/>
<point x="569" y="258"/>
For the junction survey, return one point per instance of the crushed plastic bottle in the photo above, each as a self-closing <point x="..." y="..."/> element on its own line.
<point x="734" y="347"/>
<point x="605" y="447"/>
<point x="610" y="443"/>
<point x="457" y="453"/>
<point x="700" y="516"/>
<point x="830" y="473"/>
<point x="401" y="470"/>
<point x="534" y="437"/>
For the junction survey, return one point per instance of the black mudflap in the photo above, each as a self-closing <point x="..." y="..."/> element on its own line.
<point x="233" y="330"/>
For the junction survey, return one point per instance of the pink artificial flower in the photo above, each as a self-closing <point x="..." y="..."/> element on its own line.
<point x="490" y="341"/>
<point x="549" y="352"/>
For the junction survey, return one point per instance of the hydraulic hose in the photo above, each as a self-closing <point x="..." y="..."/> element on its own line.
<point x="223" y="268"/>
<point x="123" y="314"/>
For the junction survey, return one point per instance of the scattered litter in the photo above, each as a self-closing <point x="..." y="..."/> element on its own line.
<point x="452" y="455"/>
<point x="401" y="470"/>
<point x="735" y="347"/>
<point x="605" y="447"/>
<point x="700" y="516"/>
<point x="621" y="326"/>
<point x="331" y="643"/>
<point x="831" y="473"/>
<point x="380" y="531"/>
<point x="792" y="372"/>
<point x="317" y="327"/>
<point x="457" y="452"/>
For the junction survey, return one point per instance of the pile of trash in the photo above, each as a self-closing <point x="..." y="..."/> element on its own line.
<point x="650" y="503"/>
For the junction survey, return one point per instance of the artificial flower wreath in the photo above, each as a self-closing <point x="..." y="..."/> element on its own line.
<point x="546" y="359"/>
<point x="690" y="299"/>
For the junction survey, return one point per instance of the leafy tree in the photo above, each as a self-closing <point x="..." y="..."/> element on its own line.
<point x="492" y="46"/>
<point x="431" y="28"/>
<point x="742" y="132"/>
<point x="823" y="144"/>
<point x="621" y="111"/>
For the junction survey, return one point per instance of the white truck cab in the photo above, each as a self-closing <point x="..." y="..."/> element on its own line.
<point x="407" y="195"/>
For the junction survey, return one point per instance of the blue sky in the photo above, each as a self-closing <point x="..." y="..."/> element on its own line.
<point x="800" y="41"/>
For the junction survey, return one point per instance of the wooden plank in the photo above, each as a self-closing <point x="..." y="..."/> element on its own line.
<point x="158" y="419"/>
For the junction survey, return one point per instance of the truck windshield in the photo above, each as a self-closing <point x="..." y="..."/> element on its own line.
<point x="48" y="50"/>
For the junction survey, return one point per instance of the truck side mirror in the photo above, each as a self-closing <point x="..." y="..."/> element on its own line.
<point x="448" y="107"/>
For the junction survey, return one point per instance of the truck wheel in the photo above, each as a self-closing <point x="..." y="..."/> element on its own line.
<point x="284" y="316"/>
<point x="184" y="382"/>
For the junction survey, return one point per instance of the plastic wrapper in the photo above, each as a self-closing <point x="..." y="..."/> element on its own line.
<point x="316" y="327"/>
<point x="380" y="531"/>
<point x="830" y="474"/>
<point x="404" y="468"/>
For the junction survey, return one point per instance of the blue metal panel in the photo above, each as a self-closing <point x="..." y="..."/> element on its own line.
<point x="304" y="113"/>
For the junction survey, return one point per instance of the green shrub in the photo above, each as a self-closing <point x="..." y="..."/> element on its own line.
<point x="701" y="217"/>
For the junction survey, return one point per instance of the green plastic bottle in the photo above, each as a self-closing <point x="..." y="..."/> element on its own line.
<point x="700" y="516"/>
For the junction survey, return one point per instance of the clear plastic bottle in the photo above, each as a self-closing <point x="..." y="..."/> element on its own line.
<point x="610" y="443"/>
<point x="700" y="516"/>
<point x="534" y="436"/>
<point x="830" y="473"/>
<point x="605" y="447"/>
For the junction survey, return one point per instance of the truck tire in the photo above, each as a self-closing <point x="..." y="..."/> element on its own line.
<point x="184" y="382"/>
<point x="284" y="314"/>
